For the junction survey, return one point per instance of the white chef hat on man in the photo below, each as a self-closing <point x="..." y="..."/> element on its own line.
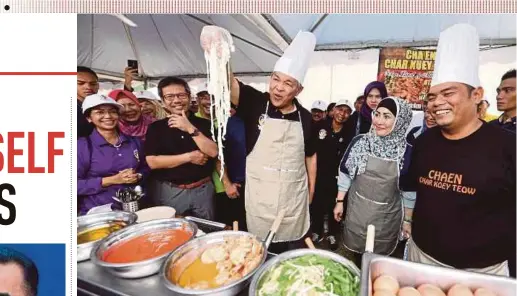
<point x="457" y="56"/>
<point x="297" y="56"/>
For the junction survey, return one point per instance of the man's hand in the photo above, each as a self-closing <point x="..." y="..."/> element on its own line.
<point x="198" y="157"/>
<point x="181" y="122"/>
<point x="232" y="189"/>
<point x="212" y="36"/>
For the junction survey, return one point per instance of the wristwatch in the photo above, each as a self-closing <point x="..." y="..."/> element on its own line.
<point x="339" y="200"/>
<point x="195" y="133"/>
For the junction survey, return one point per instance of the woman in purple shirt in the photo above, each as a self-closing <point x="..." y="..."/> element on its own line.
<point x="107" y="160"/>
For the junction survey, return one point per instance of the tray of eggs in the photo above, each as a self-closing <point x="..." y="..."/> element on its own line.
<point x="385" y="276"/>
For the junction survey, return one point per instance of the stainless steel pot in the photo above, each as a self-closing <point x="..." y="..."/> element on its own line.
<point x="96" y="221"/>
<point x="194" y="249"/>
<point x="270" y="264"/>
<point x="141" y="268"/>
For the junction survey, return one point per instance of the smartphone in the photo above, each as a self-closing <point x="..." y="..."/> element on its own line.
<point x="133" y="64"/>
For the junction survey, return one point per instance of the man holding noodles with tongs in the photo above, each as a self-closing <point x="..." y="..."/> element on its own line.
<point x="281" y="158"/>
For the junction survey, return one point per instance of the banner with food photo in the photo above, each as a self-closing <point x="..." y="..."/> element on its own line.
<point x="407" y="73"/>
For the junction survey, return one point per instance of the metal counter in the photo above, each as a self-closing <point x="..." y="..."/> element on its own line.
<point x="94" y="281"/>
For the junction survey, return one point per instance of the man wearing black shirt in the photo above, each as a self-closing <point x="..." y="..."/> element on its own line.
<point x="180" y="152"/>
<point x="281" y="158"/>
<point x="87" y="84"/>
<point x="506" y="102"/>
<point x="463" y="171"/>
<point x="330" y="149"/>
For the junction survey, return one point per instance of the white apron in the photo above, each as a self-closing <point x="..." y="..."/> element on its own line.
<point x="276" y="178"/>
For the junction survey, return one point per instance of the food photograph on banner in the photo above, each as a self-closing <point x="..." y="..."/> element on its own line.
<point x="281" y="154"/>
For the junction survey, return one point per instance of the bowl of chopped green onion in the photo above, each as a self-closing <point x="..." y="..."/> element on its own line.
<point x="306" y="272"/>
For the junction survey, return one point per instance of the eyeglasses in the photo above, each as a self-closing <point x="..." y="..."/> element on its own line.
<point x="181" y="96"/>
<point x="111" y="112"/>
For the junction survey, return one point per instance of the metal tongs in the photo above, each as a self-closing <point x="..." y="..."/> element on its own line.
<point x="128" y="195"/>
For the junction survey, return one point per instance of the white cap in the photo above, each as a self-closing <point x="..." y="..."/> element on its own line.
<point x="145" y="94"/>
<point x="343" y="102"/>
<point x="457" y="56"/>
<point x="320" y="105"/>
<point x="96" y="100"/>
<point x="297" y="56"/>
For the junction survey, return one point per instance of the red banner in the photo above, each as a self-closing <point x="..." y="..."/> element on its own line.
<point x="407" y="73"/>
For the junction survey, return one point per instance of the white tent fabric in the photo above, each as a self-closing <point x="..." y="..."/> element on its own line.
<point x="169" y="44"/>
<point x="341" y="31"/>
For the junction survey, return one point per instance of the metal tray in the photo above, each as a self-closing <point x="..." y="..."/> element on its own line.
<point x="414" y="274"/>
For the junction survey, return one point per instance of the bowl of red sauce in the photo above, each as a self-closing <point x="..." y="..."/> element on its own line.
<point x="139" y="250"/>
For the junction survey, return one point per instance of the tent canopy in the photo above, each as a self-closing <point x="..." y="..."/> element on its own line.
<point x="169" y="44"/>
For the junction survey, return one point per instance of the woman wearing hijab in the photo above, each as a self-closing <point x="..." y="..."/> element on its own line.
<point x="360" y="122"/>
<point x="369" y="172"/>
<point x="150" y="104"/>
<point x="131" y="122"/>
<point x="108" y="159"/>
<point x="428" y="123"/>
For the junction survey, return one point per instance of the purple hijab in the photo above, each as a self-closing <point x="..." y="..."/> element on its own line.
<point x="366" y="111"/>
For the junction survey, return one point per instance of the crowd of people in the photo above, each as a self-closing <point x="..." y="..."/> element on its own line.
<point x="447" y="186"/>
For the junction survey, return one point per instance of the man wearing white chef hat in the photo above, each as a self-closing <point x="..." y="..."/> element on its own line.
<point x="281" y="157"/>
<point x="464" y="215"/>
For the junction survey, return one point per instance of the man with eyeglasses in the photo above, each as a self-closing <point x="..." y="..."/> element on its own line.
<point x="181" y="153"/>
<point x="506" y="102"/>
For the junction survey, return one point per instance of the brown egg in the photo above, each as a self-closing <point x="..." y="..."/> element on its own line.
<point x="459" y="290"/>
<point x="387" y="283"/>
<point x="483" y="292"/>
<point x="408" y="291"/>
<point x="430" y="290"/>
<point x="383" y="293"/>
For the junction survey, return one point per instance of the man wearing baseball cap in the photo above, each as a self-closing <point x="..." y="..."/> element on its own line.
<point x="281" y="159"/>
<point x="318" y="110"/>
<point x="330" y="149"/>
<point x="464" y="214"/>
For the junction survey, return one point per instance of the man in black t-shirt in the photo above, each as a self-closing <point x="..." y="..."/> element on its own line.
<point x="281" y="158"/>
<point x="506" y="102"/>
<point x="463" y="170"/>
<point x="331" y="139"/>
<point x="180" y="152"/>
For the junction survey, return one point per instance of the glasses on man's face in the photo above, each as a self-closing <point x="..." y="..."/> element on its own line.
<point x="181" y="96"/>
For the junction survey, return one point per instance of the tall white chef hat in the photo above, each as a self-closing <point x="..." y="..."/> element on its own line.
<point x="457" y="56"/>
<point x="297" y="56"/>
